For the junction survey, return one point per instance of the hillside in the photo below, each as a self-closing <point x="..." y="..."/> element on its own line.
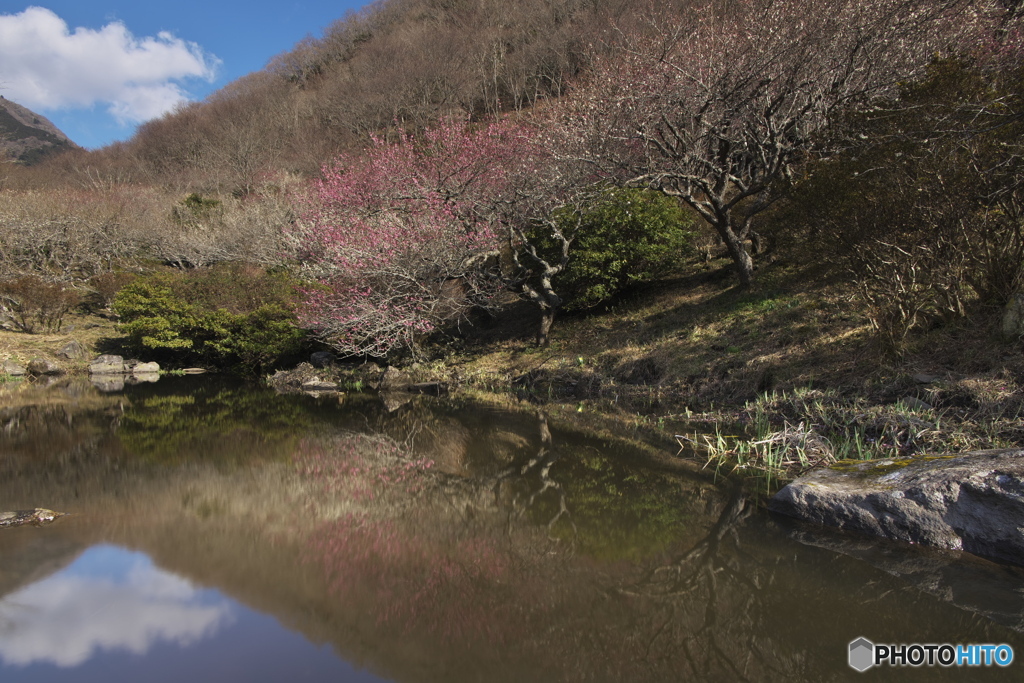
<point x="550" y="162"/>
<point x="401" y="63"/>
<point x="27" y="137"/>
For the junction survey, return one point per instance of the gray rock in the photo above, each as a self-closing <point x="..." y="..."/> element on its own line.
<point x="107" y="365"/>
<point x="972" y="502"/>
<point x="44" y="366"/>
<point x="72" y="351"/>
<point x="914" y="403"/>
<point x="924" y="378"/>
<point x="1013" y="317"/>
<point x="318" y="385"/>
<point x="36" y="517"/>
<point x="322" y="359"/>
<point x="393" y="379"/>
<point x="145" y="369"/>
<point x="12" y="369"/>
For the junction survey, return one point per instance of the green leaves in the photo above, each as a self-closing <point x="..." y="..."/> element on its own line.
<point x="153" y="317"/>
<point x="629" y="236"/>
<point x="226" y="316"/>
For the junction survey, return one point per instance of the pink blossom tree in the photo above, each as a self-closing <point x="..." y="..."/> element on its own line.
<point x="409" y="236"/>
<point x="406" y="237"/>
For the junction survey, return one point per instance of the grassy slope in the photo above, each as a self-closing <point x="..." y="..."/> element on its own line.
<point x="796" y="350"/>
<point x="699" y="340"/>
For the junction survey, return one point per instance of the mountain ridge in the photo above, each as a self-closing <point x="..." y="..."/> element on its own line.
<point x="27" y="137"/>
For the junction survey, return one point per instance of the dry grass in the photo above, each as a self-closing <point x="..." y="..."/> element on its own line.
<point x="95" y="334"/>
<point x="695" y="341"/>
<point x="699" y="340"/>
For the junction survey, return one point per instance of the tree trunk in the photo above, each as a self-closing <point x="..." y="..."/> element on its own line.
<point x="547" y="319"/>
<point x="740" y="256"/>
<point x="756" y="243"/>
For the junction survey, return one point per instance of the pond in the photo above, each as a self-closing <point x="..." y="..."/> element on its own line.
<point x="222" y="532"/>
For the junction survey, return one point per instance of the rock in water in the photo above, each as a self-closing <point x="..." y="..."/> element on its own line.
<point x="145" y="368"/>
<point x="36" y="517"/>
<point x="972" y="502"/>
<point x="393" y="379"/>
<point x="107" y="365"/>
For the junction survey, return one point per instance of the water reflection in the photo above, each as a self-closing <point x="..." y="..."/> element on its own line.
<point x="108" y="599"/>
<point x="112" y="615"/>
<point x="432" y="542"/>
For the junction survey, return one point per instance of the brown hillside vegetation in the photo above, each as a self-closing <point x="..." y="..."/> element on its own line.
<point x="858" y="165"/>
<point x="401" y="62"/>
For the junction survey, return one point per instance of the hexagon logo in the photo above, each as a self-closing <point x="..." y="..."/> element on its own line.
<point x="862" y="654"/>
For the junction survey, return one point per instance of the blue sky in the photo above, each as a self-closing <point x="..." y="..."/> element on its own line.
<point x="98" y="69"/>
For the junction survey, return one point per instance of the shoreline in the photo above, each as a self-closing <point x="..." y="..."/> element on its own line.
<point x="779" y="379"/>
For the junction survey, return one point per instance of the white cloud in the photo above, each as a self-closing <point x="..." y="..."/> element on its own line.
<point x="67" y="618"/>
<point x="45" y="65"/>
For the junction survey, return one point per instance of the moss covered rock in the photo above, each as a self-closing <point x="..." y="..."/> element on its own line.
<point x="972" y="502"/>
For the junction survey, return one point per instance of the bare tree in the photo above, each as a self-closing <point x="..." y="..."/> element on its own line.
<point x="717" y="104"/>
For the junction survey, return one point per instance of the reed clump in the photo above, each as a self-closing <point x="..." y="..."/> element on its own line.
<point x="782" y="434"/>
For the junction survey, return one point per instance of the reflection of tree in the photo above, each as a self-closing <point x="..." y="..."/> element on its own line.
<point x="580" y="564"/>
<point x="222" y="421"/>
<point x="702" y="564"/>
<point x="585" y="493"/>
<point x="666" y="579"/>
<point x="458" y="563"/>
<point x="540" y="465"/>
<point x="707" y="608"/>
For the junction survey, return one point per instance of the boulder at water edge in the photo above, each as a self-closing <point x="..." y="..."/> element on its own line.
<point x="150" y="368"/>
<point x="12" y="369"/>
<point x="972" y="502"/>
<point x="107" y="364"/>
<point x="44" y="366"/>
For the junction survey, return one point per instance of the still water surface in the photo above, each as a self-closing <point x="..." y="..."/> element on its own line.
<point x="222" y="532"/>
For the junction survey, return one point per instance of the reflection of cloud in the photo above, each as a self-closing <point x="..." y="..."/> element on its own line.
<point x="67" y="617"/>
<point x="44" y="64"/>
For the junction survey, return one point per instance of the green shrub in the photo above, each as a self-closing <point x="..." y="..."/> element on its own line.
<point x="259" y="338"/>
<point x="196" y="210"/>
<point x="228" y="315"/>
<point x="628" y="237"/>
<point x="155" y="316"/>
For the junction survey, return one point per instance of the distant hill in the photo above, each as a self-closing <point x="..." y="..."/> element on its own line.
<point x="28" y="137"/>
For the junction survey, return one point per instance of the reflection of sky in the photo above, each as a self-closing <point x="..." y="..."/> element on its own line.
<point x="109" y="599"/>
<point x="113" y="616"/>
